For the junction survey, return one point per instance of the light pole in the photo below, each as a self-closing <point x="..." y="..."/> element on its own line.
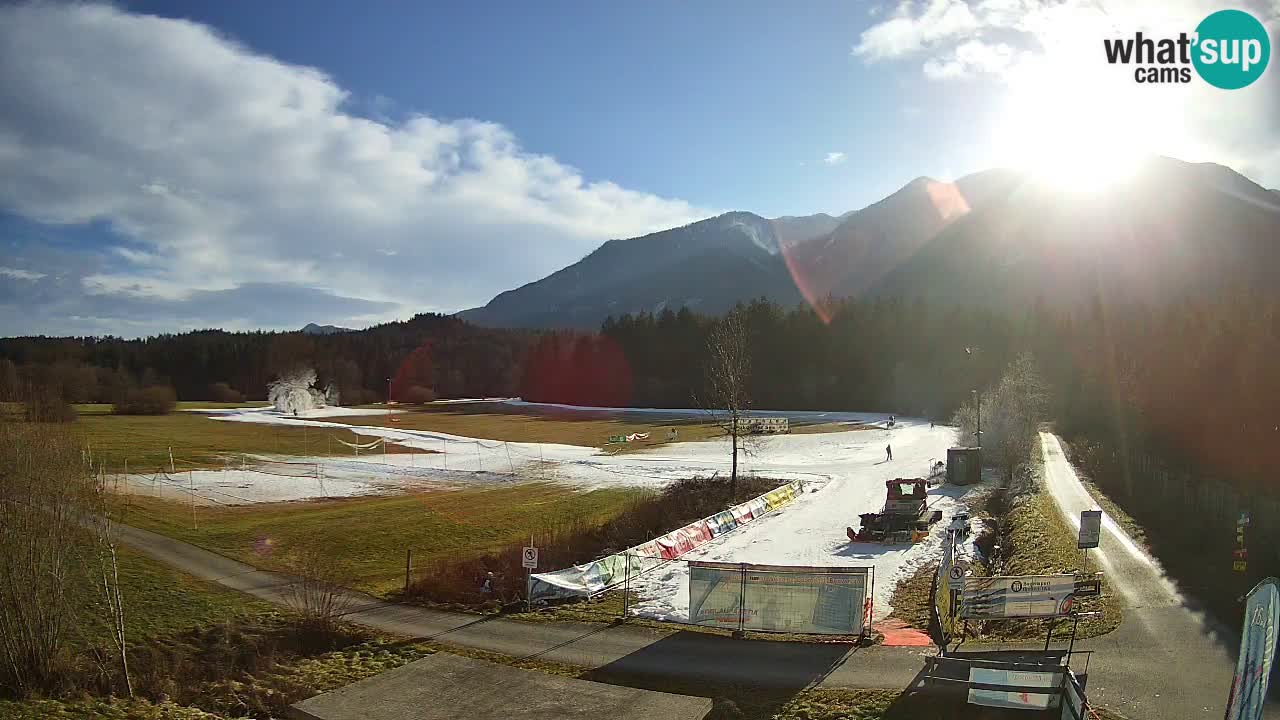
<point x="388" y="391"/>
<point x="977" y="401"/>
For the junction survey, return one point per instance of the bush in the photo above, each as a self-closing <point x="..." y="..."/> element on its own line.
<point x="47" y="405"/>
<point x="224" y="393"/>
<point x="418" y="395"/>
<point x="154" y="400"/>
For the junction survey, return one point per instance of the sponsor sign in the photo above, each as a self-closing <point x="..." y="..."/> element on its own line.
<point x="773" y="598"/>
<point x="529" y="558"/>
<point x="1014" y="698"/>
<point x="1017" y="596"/>
<point x="1257" y="652"/>
<point x="1073" y="701"/>
<point x="1088" y="588"/>
<point x="1090" y="529"/>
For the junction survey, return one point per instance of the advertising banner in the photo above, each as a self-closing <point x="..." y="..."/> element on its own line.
<point x="772" y="598"/>
<point x="1257" y="652"/>
<point x="1017" y="596"/>
<point x="1012" y="698"/>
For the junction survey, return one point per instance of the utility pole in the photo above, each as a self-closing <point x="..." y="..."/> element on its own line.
<point x="388" y="391"/>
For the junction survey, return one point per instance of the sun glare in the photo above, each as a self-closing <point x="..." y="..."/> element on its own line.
<point x="1077" y="132"/>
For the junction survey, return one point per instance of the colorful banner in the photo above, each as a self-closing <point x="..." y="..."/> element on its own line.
<point x="772" y="598"/>
<point x="1257" y="652"/>
<point x="1017" y="596"/>
<point x="590" y="578"/>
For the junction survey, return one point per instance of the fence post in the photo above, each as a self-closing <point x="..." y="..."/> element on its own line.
<point x="742" y="596"/>
<point x="626" y="583"/>
<point x="511" y="467"/>
<point x="408" y="567"/>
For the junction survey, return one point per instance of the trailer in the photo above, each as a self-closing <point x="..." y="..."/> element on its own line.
<point x="905" y="517"/>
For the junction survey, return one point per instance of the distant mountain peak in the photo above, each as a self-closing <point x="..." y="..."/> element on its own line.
<point x="314" y="329"/>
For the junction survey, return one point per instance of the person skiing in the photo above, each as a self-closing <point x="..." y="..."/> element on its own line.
<point x="888" y="453"/>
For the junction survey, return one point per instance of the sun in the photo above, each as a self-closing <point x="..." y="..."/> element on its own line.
<point x="1077" y="132"/>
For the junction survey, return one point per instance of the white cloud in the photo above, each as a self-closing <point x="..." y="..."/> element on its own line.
<point x="834" y="158"/>
<point x="223" y="168"/>
<point x="908" y="32"/>
<point x="971" y="58"/>
<point x="19" y="274"/>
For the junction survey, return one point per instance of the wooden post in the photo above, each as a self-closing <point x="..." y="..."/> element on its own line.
<point x="172" y="471"/>
<point x="408" y="568"/>
<point x="444" y="454"/>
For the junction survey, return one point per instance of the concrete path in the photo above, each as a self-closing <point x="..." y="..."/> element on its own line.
<point x="1167" y="659"/>
<point x="1164" y="663"/>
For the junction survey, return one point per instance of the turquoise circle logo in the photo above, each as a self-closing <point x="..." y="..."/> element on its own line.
<point x="1232" y="49"/>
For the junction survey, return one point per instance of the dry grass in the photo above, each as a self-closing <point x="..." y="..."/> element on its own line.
<point x="374" y="533"/>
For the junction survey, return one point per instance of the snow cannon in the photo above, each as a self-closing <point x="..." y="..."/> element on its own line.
<point x="905" y="517"/>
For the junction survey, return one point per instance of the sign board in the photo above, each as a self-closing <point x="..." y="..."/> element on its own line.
<point x="1257" y="652"/>
<point x="1088" y="588"/>
<point x="1090" y="529"/>
<point x="529" y="558"/>
<point x="773" y="598"/>
<point x="1014" y="698"/>
<point x="1022" y="596"/>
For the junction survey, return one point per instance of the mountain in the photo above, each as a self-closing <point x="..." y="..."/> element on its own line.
<point x="871" y="242"/>
<point x="996" y="236"/>
<point x="1170" y="230"/>
<point x="314" y="329"/>
<point x="706" y="266"/>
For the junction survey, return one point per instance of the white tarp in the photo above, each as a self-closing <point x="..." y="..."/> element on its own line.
<point x="1014" y="678"/>
<point x="771" y="598"/>
<point x="1017" y="596"/>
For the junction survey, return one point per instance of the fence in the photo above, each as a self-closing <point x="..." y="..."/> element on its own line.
<point x="781" y="598"/>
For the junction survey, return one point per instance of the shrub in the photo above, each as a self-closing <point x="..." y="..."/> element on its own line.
<point x="224" y="393"/>
<point x="154" y="400"/>
<point x="418" y="395"/>
<point x="45" y="404"/>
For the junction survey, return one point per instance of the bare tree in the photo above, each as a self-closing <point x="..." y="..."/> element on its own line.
<point x="1011" y="416"/>
<point x="109" y="577"/>
<point x="728" y="379"/>
<point x="45" y="489"/>
<point x="319" y="593"/>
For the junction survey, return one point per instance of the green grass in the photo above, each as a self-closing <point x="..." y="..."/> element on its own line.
<point x="158" y="601"/>
<point x="374" y="533"/>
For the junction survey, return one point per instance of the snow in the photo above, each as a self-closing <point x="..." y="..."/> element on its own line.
<point x="844" y="474"/>
<point x="811" y="530"/>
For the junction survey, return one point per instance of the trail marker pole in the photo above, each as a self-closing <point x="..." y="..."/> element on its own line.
<point x="444" y="454"/>
<point x="479" y="460"/>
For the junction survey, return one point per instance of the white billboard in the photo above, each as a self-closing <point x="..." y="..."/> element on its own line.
<point x="1017" y="596"/>
<point x="1016" y="679"/>
<point x="776" y="598"/>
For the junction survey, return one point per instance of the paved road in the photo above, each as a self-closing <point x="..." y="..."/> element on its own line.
<point x="1184" y="662"/>
<point x="1164" y="663"/>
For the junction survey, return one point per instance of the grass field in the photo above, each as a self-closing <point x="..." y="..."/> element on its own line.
<point x="588" y="429"/>
<point x="373" y="534"/>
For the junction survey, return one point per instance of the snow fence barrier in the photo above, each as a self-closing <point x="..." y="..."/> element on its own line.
<point x="582" y="581"/>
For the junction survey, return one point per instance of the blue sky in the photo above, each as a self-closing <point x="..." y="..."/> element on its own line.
<point x="178" y="165"/>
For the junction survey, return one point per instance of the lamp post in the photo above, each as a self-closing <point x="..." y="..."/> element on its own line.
<point x="388" y="391"/>
<point x="977" y="403"/>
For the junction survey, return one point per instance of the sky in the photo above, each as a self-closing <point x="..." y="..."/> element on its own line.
<point x="172" y="166"/>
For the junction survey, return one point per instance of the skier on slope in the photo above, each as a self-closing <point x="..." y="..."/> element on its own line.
<point x="888" y="453"/>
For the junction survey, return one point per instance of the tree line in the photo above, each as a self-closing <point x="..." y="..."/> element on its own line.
<point x="1193" y="381"/>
